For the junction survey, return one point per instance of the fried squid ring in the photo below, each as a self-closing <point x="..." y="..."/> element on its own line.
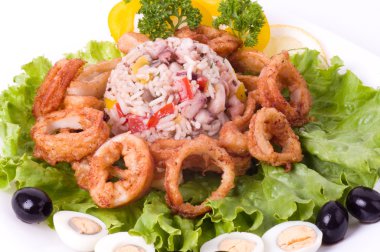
<point x="84" y="132"/>
<point x="92" y="81"/>
<point x="133" y="182"/>
<point x="231" y="136"/>
<point x="53" y="89"/>
<point x="201" y="146"/>
<point x="281" y="73"/>
<point x="81" y="172"/>
<point x="233" y="140"/>
<point x="164" y="149"/>
<point x="248" y="61"/>
<point x="130" y="40"/>
<point x="222" y="42"/>
<point x="242" y="122"/>
<point x="79" y="102"/>
<point x="249" y="81"/>
<point x="241" y="164"/>
<point x="159" y="179"/>
<point x="269" y="126"/>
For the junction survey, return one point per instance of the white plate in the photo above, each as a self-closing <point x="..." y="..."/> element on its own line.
<point x="66" y="27"/>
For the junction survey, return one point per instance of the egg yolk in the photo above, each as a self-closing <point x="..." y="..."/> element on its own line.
<point x="130" y="248"/>
<point x="296" y="237"/>
<point x="83" y="225"/>
<point x="236" y="245"/>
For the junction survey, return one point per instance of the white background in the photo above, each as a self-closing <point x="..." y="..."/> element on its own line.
<point x="51" y="28"/>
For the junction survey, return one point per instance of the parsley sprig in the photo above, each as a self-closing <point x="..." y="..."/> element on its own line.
<point x="244" y="17"/>
<point x="163" y="17"/>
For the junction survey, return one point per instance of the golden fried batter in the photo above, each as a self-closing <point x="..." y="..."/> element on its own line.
<point x="84" y="132"/>
<point x="277" y="75"/>
<point x="92" y="81"/>
<point x="79" y="102"/>
<point x="202" y="146"/>
<point x="222" y="42"/>
<point x="132" y="183"/>
<point x="269" y="126"/>
<point x="52" y="91"/>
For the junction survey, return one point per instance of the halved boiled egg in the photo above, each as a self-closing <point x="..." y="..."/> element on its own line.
<point x="79" y="231"/>
<point x="234" y="242"/>
<point x="123" y="242"/>
<point x="292" y="236"/>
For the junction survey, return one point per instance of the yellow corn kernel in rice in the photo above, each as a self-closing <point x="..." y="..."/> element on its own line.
<point x="240" y="93"/>
<point x="109" y="103"/>
<point x="177" y="120"/>
<point x="146" y="80"/>
<point x="140" y="62"/>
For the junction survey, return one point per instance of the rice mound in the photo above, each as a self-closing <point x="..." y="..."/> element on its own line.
<point x="172" y="88"/>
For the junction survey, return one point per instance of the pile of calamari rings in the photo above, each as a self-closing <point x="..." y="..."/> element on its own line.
<point x="71" y="127"/>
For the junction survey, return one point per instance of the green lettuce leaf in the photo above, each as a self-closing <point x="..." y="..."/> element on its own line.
<point x="343" y="142"/>
<point x="16" y="103"/>
<point x="169" y="233"/>
<point x="256" y="204"/>
<point x="16" y="162"/>
<point x="59" y="183"/>
<point x="8" y="167"/>
<point x="341" y="148"/>
<point x="96" y="52"/>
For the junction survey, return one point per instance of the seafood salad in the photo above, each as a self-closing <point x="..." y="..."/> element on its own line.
<point x="184" y="134"/>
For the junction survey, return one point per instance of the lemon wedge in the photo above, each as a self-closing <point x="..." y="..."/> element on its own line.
<point x="292" y="39"/>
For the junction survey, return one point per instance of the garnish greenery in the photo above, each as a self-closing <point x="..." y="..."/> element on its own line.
<point x="163" y="17"/>
<point x="244" y="17"/>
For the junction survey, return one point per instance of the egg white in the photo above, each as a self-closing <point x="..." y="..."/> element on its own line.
<point x="270" y="237"/>
<point x="212" y="245"/>
<point x="111" y="242"/>
<point x="73" y="239"/>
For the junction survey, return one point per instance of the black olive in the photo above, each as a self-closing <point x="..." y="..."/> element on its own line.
<point x="332" y="220"/>
<point x="31" y="205"/>
<point x="364" y="204"/>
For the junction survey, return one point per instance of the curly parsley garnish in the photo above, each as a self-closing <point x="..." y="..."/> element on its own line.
<point x="244" y="17"/>
<point x="163" y="17"/>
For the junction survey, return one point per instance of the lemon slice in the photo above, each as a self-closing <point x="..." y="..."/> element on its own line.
<point x="292" y="39"/>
